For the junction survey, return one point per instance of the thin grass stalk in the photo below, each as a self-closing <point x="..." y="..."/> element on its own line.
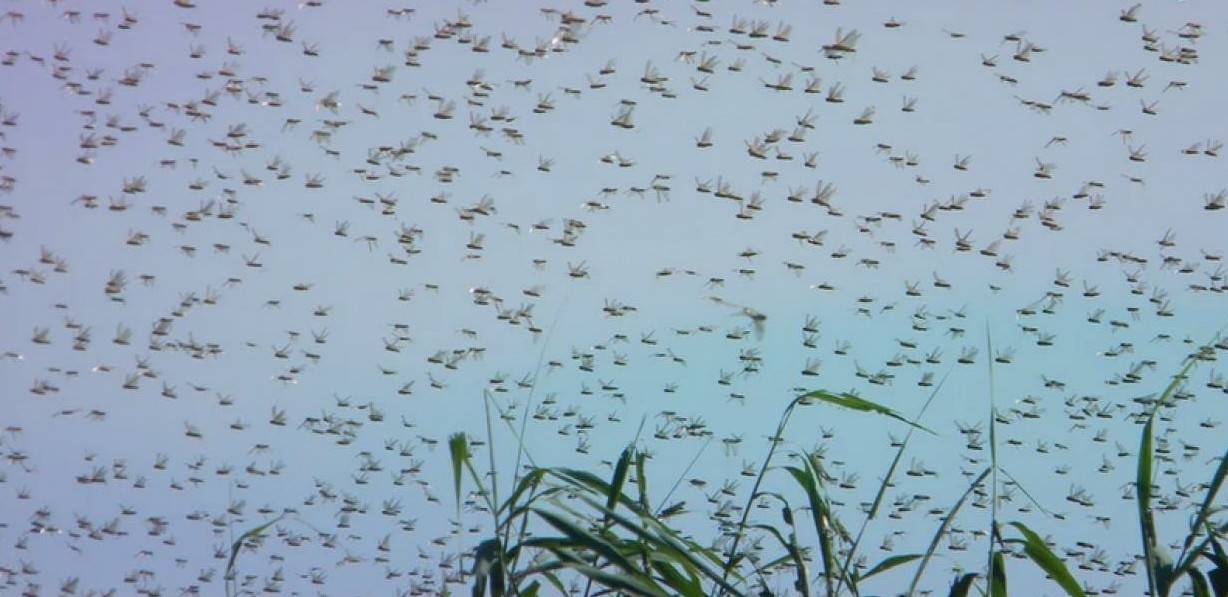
<point x="681" y="477"/>
<point x="882" y="490"/>
<point x="524" y="421"/>
<point x="942" y="529"/>
<point x="737" y="539"/>
<point x="993" y="459"/>
<point x="1188" y="558"/>
<point x="494" y="485"/>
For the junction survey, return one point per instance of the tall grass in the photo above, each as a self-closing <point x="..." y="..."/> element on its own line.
<point x="607" y="532"/>
<point x="1163" y="572"/>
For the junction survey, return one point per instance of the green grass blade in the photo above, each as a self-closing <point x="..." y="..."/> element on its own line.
<point x="486" y="569"/>
<point x="633" y="585"/>
<point x="889" y="563"/>
<point x="531" y="590"/>
<point x="1219" y="556"/>
<point x="942" y="530"/>
<point x="581" y="538"/>
<point x="666" y="541"/>
<point x="1043" y="557"/>
<point x="1198" y="583"/>
<point x="687" y="586"/>
<point x="641" y="480"/>
<point x="1024" y="490"/>
<point x="997" y="575"/>
<point x="802" y="584"/>
<point x="821" y="514"/>
<point x="620" y="477"/>
<point x="238" y="543"/>
<point x="1146" y="520"/>
<point x="594" y="484"/>
<point x="525" y="483"/>
<point x="1219" y="580"/>
<point x="1142" y="482"/>
<point x="732" y="561"/>
<point x="994" y="556"/>
<point x="1188" y="558"/>
<point x="861" y="404"/>
<point x="677" y="482"/>
<point x="458" y="447"/>
<point x="962" y="585"/>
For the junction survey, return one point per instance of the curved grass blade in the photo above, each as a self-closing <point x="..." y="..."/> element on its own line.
<point x="687" y="586"/>
<point x="238" y="543"/>
<point x="581" y="538"/>
<point x="802" y="584"/>
<point x="888" y="564"/>
<point x="665" y="541"/>
<point x="1043" y="557"/>
<point x="1198" y="582"/>
<point x="861" y="404"/>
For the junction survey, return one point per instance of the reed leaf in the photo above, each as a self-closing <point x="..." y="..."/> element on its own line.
<point x="997" y="575"/>
<point x="889" y="563"/>
<point x="858" y="403"/>
<point x="820" y="513"/>
<point x="1159" y="572"/>
<point x="458" y="447"/>
<point x="1040" y="554"/>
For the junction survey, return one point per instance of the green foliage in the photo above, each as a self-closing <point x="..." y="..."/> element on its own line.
<point x="605" y="531"/>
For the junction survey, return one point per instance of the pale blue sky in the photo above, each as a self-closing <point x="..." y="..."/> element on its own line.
<point x="963" y="108"/>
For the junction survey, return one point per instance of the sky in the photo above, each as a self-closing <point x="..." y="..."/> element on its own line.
<point x="664" y="253"/>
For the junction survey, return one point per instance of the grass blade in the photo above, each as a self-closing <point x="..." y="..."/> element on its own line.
<point x="1189" y="558"/>
<point x="993" y="477"/>
<point x="1043" y="557"/>
<point x="1219" y="580"/>
<point x="458" y="446"/>
<point x="238" y="543"/>
<point x="889" y="563"/>
<point x="997" y="575"/>
<point x="858" y="403"/>
<point x="620" y="477"/>
<point x="632" y="585"/>
<point x="581" y="538"/>
<point x="666" y="541"/>
<point x="820" y="512"/>
<point x="1199" y="583"/>
<point x="1142" y="480"/>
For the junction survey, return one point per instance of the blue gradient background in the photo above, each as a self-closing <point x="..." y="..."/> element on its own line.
<point x="963" y="109"/>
